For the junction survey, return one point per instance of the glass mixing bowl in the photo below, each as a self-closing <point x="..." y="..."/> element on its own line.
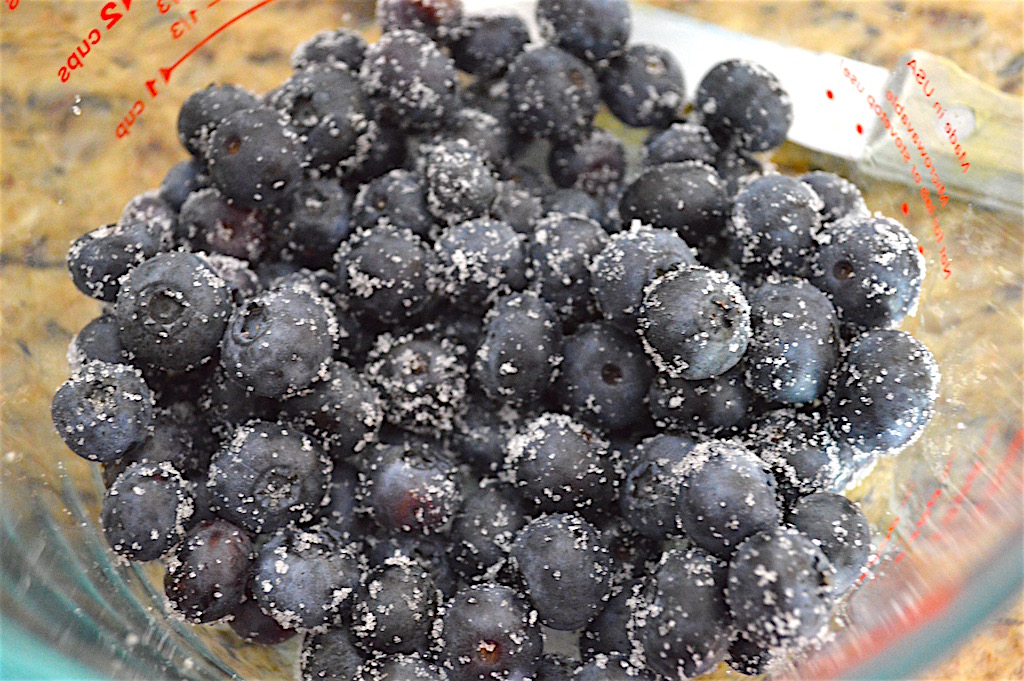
<point x="946" y="514"/>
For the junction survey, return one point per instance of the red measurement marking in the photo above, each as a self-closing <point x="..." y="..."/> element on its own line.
<point x="12" y="4"/>
<point x="1004" y="465"/>
<point x="905" y="208"/>
<point x="212" y="3"/>
<point x="920" y="249"/>
<point x="860" y="129"/>
<point x="828" y="93"/>
<point x="110" y="15"/>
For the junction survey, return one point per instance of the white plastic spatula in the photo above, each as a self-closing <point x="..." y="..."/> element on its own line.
<point x="833" y="110"/>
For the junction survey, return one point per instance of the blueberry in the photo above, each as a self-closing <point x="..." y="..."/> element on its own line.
<point x="304" y="580"/>
<point x="738" y="168"/>
<point x="794" y="342"/>
<point x="343" y="411"/>
<point x="430" y="551"/>
<point x="650" y="496"/>
<point x="331" y="47"/>
<point x="521" y="349"/>
<point x="227" y="404"/>
<point x="146" y="510"/>
<point x="205" y="109"/>
<point x="480" y="260"/>
<point x="255" y="157"/>
<point x="180" y="438"/>
<point x="434" y="18"/>
<point x="316" y="223"/>
<point x="609" y="632"/>
<point x="687" y="628"/>
<point x="410" y="82"/>
<point x="485" y="45"/>
<point x="483" y="530"/>
<point x="330" y="656"/>
<point x="680" y="142"/>
<point x="207" y="574"/>
<point x="242" y="281"/>
<point x="780" y="589"/>
<point x="726" y="495"/>
<point x="103" y="411"/>
<point x="594" y="165"/>
<point x="631" y="551"/>
<point x="481" y="436"/>
<point x="99" y="260"/>
<point x="395" y="607"/>
<point x="629" y="261"/>
<point x="774" y="224"/>
<point x="840" y="529"/>
<point x="411" y="488"/>
<point x="409" y="667"/>
<point x="460" y="185"/>
<point x="743" y="105"/>
<point x="883" y="392"/>
<point x="559" y="465"/>
<point x="487" y="135"/>
<point x="802" y="454"/>
<point x="487" y="631"/>
<point x="604" y="377"/>
<point x="574" y="202"/>
<point x="423" y="382"/>
<point x="326" y="106"/>
<point x="387" y="274"/>
<point x="871" y="269"/>
<point x="687" y="197"/>
<point x="709" y="407"/>
<point x="517" y="207"/>
<point x="255" y="626"/>
<point x="554" y="668"/>
<point x="590" y="29"/>
<point x="839" y="196"/>
<point x="562" y="250"/>
<point x="397" y="197"/>
<point x="694" y="322"/>
<point x="552" y="95"/>
<point x="181" y="180"/>
<point x="612" y="667"/>
<point x="210" y="222"/>
<point x="643" y="87"/>
<point x="97" y="341"/>
<point x="268" y="475"/>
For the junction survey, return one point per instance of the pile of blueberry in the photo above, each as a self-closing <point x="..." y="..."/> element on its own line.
<point x="408" y="359"/>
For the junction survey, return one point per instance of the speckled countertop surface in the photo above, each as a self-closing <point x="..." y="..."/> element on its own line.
<point x="63" y="171"/>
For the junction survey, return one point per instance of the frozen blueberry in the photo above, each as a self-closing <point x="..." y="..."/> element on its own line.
<point x="331" y="47"/>
<point x="181" y="180"/>
<point x="708" y="407"/>
<point x="103" y="411"/>
<point x="255" y="626"/>
<point x="255" y="157"/>
<point x="341" y="517"/>
<point x="554" y="668"/>
<point x="387" y="274"/>
<point x="562" y="250"/>
<point x="839" y="196"/>
<point x="883" y="392"/>
<point x="422" y="381"/>
<point x="98" y="260"/>
<point x="871" y="269"/>
<point x="727" y="494"/>
<point x="410" y="82"/>
<point x="480" y="260"/>
<point x="780" y="589"/>
<point x="643" y="87"/>
<point x="204" y="110"/>
<point x="517" y="207"/>
<point x="325" y="104"/>
<point x="738" y="168"/>
<point x="242" y="281"/>
<point x="687" y="197"/>
<point x="559" y="465"/>
<point x="486" y="134"/>
<point x="552" y="95"/>
<point x="802" y="454"/>
<point x="411" y="488"/>
<point x="794" y="342"/>
<point x="594" y="165"/>
<point x="575" y="202"/>
<point x="268" y="475"/>
<point x="521" y="350"/>
<point x="487" y="631"/>
<point x="227" y="404"/>
<point x="608" y="633"/>
<point x="485" y="45"/>
<point x="744" y="105"/>
<point x="397" y="197"/>
<point x="439" y="19"/>
<point x="343" y="411"/>
<point x="279" y="342"/>
<point x="430" y="551"/>
<point x="839" y="528"/>
<point x="483" y="530"/>
<point x="181" y="438"/>
<point x="146" y="510"/>
<point x="98" y="340"/>
<point x="316" y="223"/>
<point x="209" y="222"/>
<point x="590" y="29"/>
<point x="402" y="667"/>
<point x="629" y="262"/>
<point x="631" y="551"/>
<point x="304" y="579"/>
<point x="382" y="148"/>
<point x="694" y="322"/>
<point x="687" y="628"/>
<point x="650" y="496"/>
<point x="207" y="574"/>
<point x="394" y="609"/>
<point x="460" y="185"/>
<point x="605" y="376"/>
<point x="330" y="656"/>
<point x="681" y="142"/>
<point x="612" y="667"/>
<point x="481" y="436"/>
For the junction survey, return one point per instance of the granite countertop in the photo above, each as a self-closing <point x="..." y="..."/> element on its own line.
<point x="63" y="170"/>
